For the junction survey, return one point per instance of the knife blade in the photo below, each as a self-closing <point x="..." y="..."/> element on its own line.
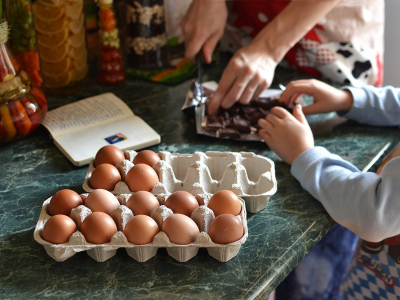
<point x="200" y="71"/>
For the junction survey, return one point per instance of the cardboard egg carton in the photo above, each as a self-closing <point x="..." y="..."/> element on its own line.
<point x="250" y="176"/>
<point x="203" y="216"/>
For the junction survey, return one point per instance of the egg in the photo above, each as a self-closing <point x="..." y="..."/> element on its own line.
<point x="58" y="229"/>
<point x="226" y="229"/>
<point x="102" y="201"/>
<point x="141" y="177"/>
<point x="225" y="202"/>
<point x="105" y="176"/>
<point x="142" y="203"/>
<point x="140" y="230"/>
<point x="98" y="228"/>
<point x="108" y="155"/>
<point x="180" y="229"/>
<point x="182" y="202"/>
<point x="63" y="202"/>
<point x="147" y="157"/>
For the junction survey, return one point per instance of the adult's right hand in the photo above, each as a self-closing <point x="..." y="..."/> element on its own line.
<point x="203" y="26"/>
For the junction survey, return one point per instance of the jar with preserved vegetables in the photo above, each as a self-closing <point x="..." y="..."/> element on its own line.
<point x="22" y="38"/>
<point x="23" y="104"/>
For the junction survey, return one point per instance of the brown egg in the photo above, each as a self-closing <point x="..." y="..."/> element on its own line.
<point x="102" y="201"/>
<point x="180" y="229"/>
<point x="147" y="157"/>
<point x="225" y="202"/>
<point x="98" y="228"/>
<point x="182" y="202"/>
<point x="141" y="178"/>
<point x="108" y="155"/>
<point x="63" y="202"/>
<point x="58" y="229"/>
<point x="226" y="229"/>
<point x="105" y="177"/>
<point x="142" y="203"/>
<point x="141" y="230"/>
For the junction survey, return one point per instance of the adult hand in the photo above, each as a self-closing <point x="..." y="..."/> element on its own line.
<point x="287" y="135"/>
<point x="326" y="97"/>
<point x="248" y="73"/>
<point x="203" y="26"/>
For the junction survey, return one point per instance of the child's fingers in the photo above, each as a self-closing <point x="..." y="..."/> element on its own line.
<point x="299" y="115"/>
<point x="266" y="125"/>
<point x="297" y="87"/>
<point x="265" y="136"/>
<point x="279" y="112"/>
<point x="274" y="119"/>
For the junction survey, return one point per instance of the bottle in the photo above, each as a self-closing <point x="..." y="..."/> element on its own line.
<point x="60" y="27"/>
<point x="23" y="104"/>
<point x="146" y="39"/>
<point x="111" y="66"/>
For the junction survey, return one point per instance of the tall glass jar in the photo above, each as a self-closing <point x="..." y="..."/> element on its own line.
<point x="60" y="26"/>
<point x="23" y="37"/>
<point x="111" y="66"/>
<point x="146" y="39"/>
<point x="23" y="105"/>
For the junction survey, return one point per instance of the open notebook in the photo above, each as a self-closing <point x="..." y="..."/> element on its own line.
<point x="81" y="128"/>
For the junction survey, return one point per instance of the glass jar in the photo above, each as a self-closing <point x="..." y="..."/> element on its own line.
<point x="23" y="37"/>
<point x="23" y="104"/>
<point x="146" y="39"/>
<point x="60" y="28"/>
<point x="111" y="66"/>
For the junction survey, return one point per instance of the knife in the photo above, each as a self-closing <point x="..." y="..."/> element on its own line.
<point x="200" y="72"/>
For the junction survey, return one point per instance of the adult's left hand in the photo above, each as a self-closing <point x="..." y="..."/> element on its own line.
<point x="249" y="72"/>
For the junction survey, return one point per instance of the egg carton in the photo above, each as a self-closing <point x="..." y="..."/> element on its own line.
<point x="203" y="216"/>
<point x="250" y="176"/>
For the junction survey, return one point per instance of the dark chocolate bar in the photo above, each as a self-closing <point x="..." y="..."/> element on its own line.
<point x="254" y="116"/>
<point x="230" y="133"/>
<point x="241" y="124"/>
<point x="214" y="123"/>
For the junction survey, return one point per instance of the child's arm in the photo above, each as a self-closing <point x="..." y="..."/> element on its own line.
<point x="366" y="203"/>
<point x="375" y="106"/>
<point x="368" y="105"/>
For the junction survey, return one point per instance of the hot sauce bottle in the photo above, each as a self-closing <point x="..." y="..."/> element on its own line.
<point x="111" y="66"/>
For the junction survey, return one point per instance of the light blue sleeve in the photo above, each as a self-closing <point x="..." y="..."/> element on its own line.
<point x="375" y="106"/>
<point x="366" y="203"/>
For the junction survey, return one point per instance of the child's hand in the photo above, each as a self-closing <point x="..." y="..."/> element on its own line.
<point x="326" y="97"/>
<point x="288" y="135"/>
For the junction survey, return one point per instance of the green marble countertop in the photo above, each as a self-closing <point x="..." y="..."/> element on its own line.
<point x="33" y="169"/>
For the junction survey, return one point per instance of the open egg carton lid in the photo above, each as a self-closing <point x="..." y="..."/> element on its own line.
<point x="203" y="217"/>
<point x="250" y="176"/>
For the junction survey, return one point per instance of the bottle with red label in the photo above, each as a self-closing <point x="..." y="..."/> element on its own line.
<point x="111" y="65"/>
<point x="23" y="104"/>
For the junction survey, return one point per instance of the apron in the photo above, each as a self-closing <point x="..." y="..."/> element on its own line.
<point x="346" y="46"/>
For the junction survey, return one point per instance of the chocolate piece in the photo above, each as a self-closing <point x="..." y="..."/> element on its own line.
<point x="255" y="116"/>
<point x="228" y="123"/>
<point x="230" y="133"/>
<point x="241" y="124"/>
<point x="214" y="123"/>
<point x="248" y="109"/>
<point x="262" y="102"/>
<point x="234" y="109"/>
